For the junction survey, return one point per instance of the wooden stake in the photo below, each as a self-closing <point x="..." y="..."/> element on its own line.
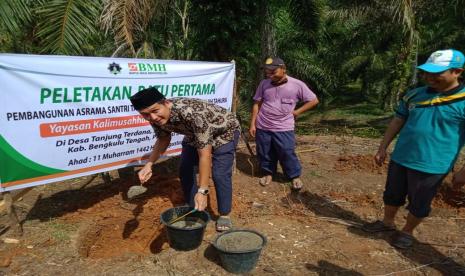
<point x="234" y="110"/>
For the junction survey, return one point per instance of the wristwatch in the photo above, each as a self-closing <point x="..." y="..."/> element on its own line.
<point x="203" y="191"/>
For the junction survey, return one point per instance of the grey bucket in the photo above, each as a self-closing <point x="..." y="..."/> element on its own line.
<point x="180" y="238"/>
<point x="239" y="261"/>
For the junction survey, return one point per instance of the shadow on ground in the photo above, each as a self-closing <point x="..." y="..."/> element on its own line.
<point x="249" y="166"/>
<point x="420" y="253"/>
<point x="68" y="201"/>
<point x="327" y="268"/>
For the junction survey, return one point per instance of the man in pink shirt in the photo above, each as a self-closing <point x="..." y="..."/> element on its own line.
<point x="273" y="120"/>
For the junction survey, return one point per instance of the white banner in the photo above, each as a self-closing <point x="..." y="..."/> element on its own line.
<point x="62" y="117"/>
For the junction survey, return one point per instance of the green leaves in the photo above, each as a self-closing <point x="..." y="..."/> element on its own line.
<point x="128" y="20"/>
<point x="308" y="14"/>
<point x="65" y="25"/>
<point x="368" y="45"/>
<point x="13" y="13"/>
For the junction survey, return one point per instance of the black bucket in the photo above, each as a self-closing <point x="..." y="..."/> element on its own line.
<point x="186" y="234"/>
<point x="239" y="249"/>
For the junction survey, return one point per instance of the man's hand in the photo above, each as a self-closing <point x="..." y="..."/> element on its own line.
<point x="394" y="127"/>
<point x="145" y="173"/>
<point x="458" y="180"/>
<point x="252" y="130"/>
<point x="200" y="201"/>
<point x="380" y="157"/>
<point x="306" y="106"/>
<point x="255" y="108"/>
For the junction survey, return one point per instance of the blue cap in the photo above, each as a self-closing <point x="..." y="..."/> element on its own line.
<point x="443" y="60"/>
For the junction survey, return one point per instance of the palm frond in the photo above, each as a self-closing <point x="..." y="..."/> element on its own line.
<point x="311" y="70"/>
<point x="348" y="13"/>
<point x="404" y="15"/>
<point x="307" y="14"/>
<point x="355" y="63"/>
<point x="64" y="25"/>
<point x="13" y="13"/>
<point x="127" y="20"/>
<point x="145" y="51"/>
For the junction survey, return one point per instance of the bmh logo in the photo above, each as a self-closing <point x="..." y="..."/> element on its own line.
<point x="147" y="68"/>
<point x="114" y="68"/>
<point x="133" y="67"/>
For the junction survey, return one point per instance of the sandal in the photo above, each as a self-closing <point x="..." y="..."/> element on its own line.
<point x="297" y="184"/>
<point x="266" y="180"/>
<point x="377" y="226"/>
<point x="402" y="240"/>
<point x="223" y="223"/>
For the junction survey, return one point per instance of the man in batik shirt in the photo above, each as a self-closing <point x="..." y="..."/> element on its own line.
<point x="210" y="137"/>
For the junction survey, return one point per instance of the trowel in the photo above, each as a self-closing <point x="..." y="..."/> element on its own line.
<point x="136" y="191"/>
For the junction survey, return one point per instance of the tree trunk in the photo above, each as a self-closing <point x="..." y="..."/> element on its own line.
<point x="267" y="37"/>
<point x="404" y="74"/>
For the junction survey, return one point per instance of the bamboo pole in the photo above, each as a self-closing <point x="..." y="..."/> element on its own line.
<point x="234" y="108"/>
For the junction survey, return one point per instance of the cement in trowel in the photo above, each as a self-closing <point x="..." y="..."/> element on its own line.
<point x="136" y="191"/>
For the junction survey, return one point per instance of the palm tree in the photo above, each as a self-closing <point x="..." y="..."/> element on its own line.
<point x="389" y="17"/>
<point x="56" y="26"/>
<point x="299" y="37"/>
<point x="128" y="23"/>
<point x="64" y="26"/>
<point x="415" y="28"/>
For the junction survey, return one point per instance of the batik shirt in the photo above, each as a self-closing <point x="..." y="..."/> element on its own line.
<point x="202" y="123"/>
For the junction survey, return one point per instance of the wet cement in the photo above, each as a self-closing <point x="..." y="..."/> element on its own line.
<point x="239" y="241"/>
<point x="188" y="223"/>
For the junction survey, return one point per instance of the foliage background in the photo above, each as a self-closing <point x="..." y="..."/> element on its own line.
<point x="350" y="52"/>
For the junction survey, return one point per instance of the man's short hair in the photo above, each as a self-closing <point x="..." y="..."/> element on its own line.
<point x="146" y="98"/>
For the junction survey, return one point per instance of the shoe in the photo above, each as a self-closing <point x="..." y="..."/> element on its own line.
<point x="377" y="226"/>
<point x="265" y="181"/>
<point x="223" y="223"/>
<point x="402" y="240"/>
<point x="297" y="184"/>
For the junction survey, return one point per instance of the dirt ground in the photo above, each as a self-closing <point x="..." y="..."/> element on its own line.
<point x="71" y="228"/>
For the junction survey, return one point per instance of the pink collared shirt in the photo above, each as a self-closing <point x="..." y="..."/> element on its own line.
<point x="278" y="103"/>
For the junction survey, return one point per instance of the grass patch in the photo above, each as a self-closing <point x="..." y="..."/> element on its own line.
<point x="314" y="174"/>
<point x="361" y="119"/>
<point x="61" y="231"/>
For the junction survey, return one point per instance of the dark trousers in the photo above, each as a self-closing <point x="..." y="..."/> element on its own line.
<point x="222" y="163"/>
<point x="277" y="146"/>
<point x="419" y="188"/>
